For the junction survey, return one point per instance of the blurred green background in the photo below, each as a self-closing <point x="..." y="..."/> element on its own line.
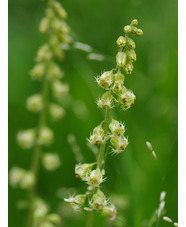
<point x="133" y="174"/>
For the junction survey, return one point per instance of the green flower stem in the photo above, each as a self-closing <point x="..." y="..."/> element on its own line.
<point x="37" y="150"/>
<point x="90" y="219"/>
<point x="100" y="161"/>
<point x="102" y="148"/>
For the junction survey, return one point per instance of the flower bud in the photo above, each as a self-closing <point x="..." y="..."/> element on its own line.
<point x="58" y="52"/>
<point x="121" y="41"/>
<point x="127" y="29"/>
<point x="35" y="103"/>
<point x="126" y="97"/>
<point x="119" y="143"/>
<point x="56" y="111"/>
<point x="44" y="53"/>
<point x="54" y="219"/>
<point x="105" y="80"/>
<point x="121" y="58"/>
<point x="49" y="13"/>
<point x="118" y="81"/>
<point x="26" y="138"/>
<point x="59" y="9"/>
<point x="116" y="128"/>
<point x="83" y="170"/>
<point x="95" y="178"/>
<point x="139" y="32"/>
<point x="44" y="25"/>
<point x="109" y="211"/>
<point x="128" y="68"/>
<point x="131" y="55"/>
<point x="134" y="22"/>
<point x="40" y="209"/>
<point x="64" y="27"/>
<point x="106" y="100"/>
<point x="15" y="176"/>
<point x="28" y="180"/>
<point x="54" y="72"/>
<point x="38" y="71"/>
<point x="57" y="25"/>
<point x="51" y="161"/>
<point x="45" y="136"/>
<point x="97" y="136"/>
<point x="65" y="38"/>
<point x="130" y="43"/>
<point x="98" y="200"/>
<point x="59" y="89"/>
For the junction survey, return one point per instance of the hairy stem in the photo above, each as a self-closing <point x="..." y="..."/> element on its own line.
<point x="100" y="161"/>
<point x="37" y="151"/>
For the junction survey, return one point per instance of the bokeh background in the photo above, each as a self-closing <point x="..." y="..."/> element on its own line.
<point x="134" y="175"/>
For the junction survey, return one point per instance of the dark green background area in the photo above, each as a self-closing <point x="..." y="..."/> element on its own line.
<point x="133" y="174"/>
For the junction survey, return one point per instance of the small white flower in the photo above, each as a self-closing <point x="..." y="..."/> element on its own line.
<point x="35" y="103"/>
<point x="45" y="136"/>
<point x="26" y="138"/>
<point x="27" y="181"/>
<point x="51" y="161"/>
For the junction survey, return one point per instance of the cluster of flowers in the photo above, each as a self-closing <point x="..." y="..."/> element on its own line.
<point x="113" y="82"/>
<point x="41" y="217"/>
<point x="98" y="201"/>
<point x="46" y="71"/>
<point x="116" y="136"/>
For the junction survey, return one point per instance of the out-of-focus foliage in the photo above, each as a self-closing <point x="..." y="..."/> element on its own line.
<point x="134" y="175"/>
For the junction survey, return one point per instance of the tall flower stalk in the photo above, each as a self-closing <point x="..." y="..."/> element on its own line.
<point x="49" y="74"/>
<point x="109" y="130"/>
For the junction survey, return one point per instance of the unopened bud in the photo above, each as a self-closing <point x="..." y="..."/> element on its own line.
<point x="15" y="176"/>
<point x="127" y="29"/>
<point x="38" y="71"/>
<point x="130" y="43"/>
<point x="28" y="180"/>
<point x="56" y="111"/>
<point x="54" y="219"/>
<point x="44" y="53"/>
<point x="134" y="22"/>
<point x="44" y="25"/>
<point x="131" y="55"/>
<point x="26" y="138"/>
<point x="128" y="68"/>
<point x="35" y="103"/>
<point x="121" y="58"/>
<point x="59" y="89"/>
<point x="51" y="161"/>
<point x="54" y="72"/>
<point x="45" y="136"/>
<point x="139" y="32"/>
<point x="121" y="41"/>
